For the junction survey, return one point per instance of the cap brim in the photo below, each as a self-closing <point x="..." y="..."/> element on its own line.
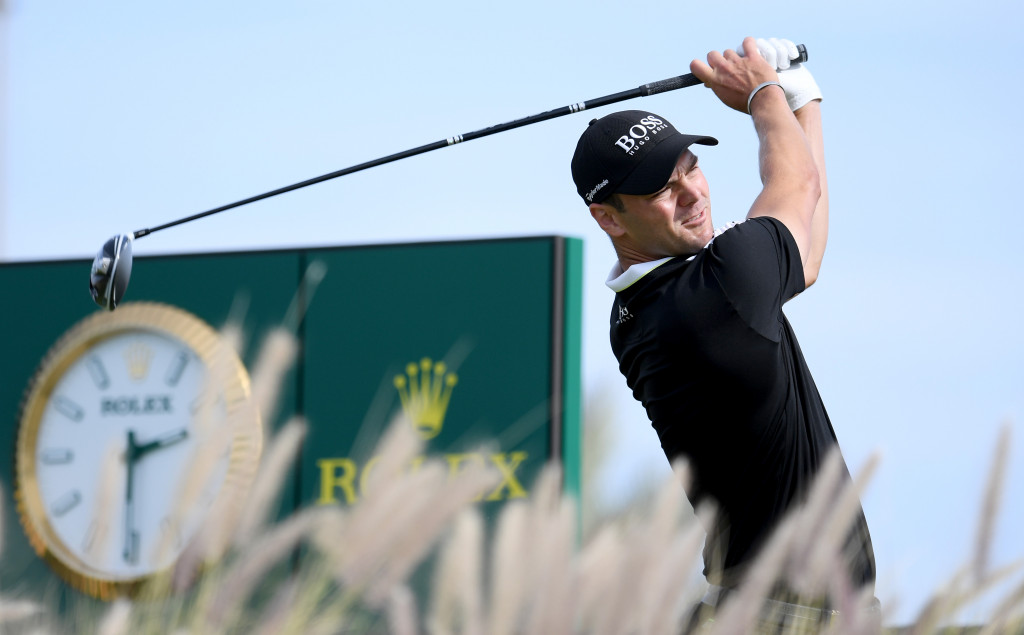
<point x="651" y="174"/>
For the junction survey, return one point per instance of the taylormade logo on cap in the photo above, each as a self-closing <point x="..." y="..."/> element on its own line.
<point x="593" y="192"/>
<point x="641" y="131"/>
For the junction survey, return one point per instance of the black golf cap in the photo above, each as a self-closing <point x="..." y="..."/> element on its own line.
<point x="629" y="152"/>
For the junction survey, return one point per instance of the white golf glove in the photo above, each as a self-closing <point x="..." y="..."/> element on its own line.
<point x="796" y="80"/>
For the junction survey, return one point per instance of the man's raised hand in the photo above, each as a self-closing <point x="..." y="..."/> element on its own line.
<point x="733" y="76"/>
<point x="796" y="80"/>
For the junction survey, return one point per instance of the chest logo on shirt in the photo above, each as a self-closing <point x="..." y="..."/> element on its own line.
<point x="624" y="315"/>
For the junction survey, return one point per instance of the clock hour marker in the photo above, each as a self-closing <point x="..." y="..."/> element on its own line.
<point x="97" y="372"/>
<point x="68" y="408"/>
<point x="90" y="537"/>
<point x="56" y="456"/>
<point x="131" y="549"/>
<point x="66" y="503"/>
<point x="177" y="368"/>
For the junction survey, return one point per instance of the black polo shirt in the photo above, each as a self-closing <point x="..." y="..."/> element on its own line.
<point x="705" y="347"/>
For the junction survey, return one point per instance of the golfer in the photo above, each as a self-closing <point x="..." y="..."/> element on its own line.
<point x="697" y="323"/>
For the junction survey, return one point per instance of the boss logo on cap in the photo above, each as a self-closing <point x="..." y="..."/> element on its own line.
<point x="641" y="131"/>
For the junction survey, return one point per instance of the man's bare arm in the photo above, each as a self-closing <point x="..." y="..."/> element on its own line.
<point x="791" y="184"/>
<point x="809" y="117"/>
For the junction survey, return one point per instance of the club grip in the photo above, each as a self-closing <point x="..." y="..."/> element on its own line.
<point x="689" y="79"/>
<point x="666" y="85"/>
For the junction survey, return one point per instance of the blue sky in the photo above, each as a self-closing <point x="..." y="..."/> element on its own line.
<point x="121" y="115"/>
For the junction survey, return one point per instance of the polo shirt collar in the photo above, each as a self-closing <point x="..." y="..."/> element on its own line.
<point x="619" y="280"/>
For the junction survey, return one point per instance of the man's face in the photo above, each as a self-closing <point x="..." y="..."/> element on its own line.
<point x="674" y="221"/>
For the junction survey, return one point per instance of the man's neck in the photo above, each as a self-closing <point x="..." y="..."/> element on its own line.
<point x="629" y="256"/>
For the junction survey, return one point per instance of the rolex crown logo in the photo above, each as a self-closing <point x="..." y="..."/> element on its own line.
<point x="425" y="390"/>
<point x="137" y="356"/>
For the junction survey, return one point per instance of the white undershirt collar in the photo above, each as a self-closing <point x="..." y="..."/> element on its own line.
<point x="619" y="280"/>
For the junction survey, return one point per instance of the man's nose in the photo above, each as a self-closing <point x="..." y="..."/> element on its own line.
<point x="688" y="194"/>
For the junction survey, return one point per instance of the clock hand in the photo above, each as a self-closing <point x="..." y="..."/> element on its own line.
<point x="131" y="537"/>
<point x="160" y="442"/>
<point x="133" y="454"/>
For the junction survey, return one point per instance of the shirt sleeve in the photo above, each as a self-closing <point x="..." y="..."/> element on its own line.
<point x="757" y="264"/>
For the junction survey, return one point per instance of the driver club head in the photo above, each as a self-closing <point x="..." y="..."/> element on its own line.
<point x="111" y="270"/>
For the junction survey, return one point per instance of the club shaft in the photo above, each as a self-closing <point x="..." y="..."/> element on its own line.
<point x="645" y="90"/>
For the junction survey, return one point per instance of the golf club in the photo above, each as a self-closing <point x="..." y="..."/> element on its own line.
<point x="113" y="264"/>
<point x="110" y="271"/>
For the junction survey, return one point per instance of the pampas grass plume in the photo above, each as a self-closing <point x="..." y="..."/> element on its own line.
<point x="402" y="614"/>
<point x="664" y="604"/>
<point x="509" y="569"/>
<point x="275" y="466"/>
<point x="826" y="560"/>
<point x="741" y="610"/>
<point x="110" y="489"/>
<point x="458" y="602"/>
<point x="12" y="611"/>
<point x="117" y="618"/>
<point x="990" y="505"/>
<point x="442" y="505"/>
<point x="275" y="358"/>
<point x="280" y="611"/>
<point x="554" y="604"/>
<point x="600" y="566"/>
<point x="246" y="573"/>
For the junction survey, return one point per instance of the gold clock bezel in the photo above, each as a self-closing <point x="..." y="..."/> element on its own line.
<point x="206" y="343"/>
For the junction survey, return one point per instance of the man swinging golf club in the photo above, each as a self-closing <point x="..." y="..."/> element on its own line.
<point x="697" y="323"/>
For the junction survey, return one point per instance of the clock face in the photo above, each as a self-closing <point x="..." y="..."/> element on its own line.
<point x="128" y="441"/>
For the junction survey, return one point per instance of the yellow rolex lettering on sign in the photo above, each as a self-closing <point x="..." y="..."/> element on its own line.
<point x="112" y="424"/>
<point x="425" y="390"/>
<point x="342" y="479"/>
<point x="507" y="464"/>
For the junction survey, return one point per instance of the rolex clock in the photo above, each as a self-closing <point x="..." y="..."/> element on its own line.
<point x="136" y="433"/>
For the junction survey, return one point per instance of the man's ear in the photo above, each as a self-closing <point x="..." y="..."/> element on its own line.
<point x="608" y="218"/>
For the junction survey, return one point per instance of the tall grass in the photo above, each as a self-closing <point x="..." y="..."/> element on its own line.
<point x="634" y="574"/>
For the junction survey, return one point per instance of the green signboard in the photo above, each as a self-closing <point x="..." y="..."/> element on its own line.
<point x="478" y="341"/>
<point x="469" y="329"/>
